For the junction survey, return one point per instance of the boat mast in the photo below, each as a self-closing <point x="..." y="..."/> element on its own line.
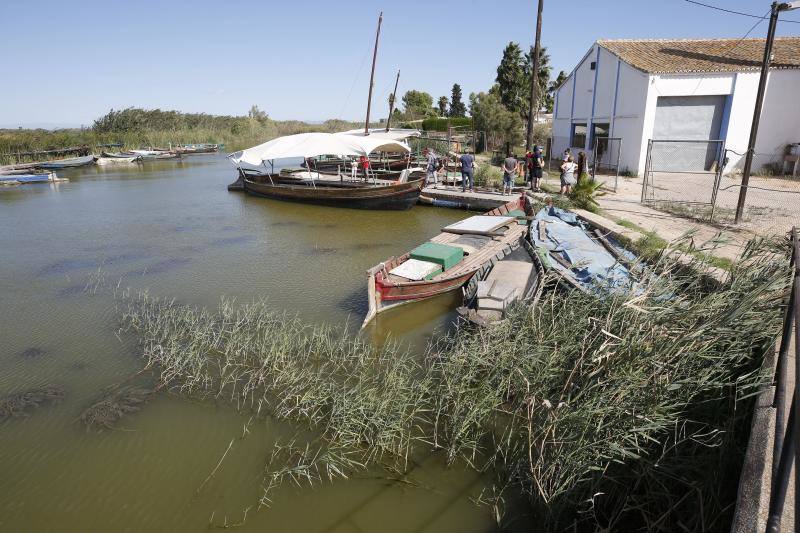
<point x="392" y="101"/>
<point x="372" y="75"/>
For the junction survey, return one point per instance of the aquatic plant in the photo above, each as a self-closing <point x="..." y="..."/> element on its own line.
<point x="603" y="411"/>
<point x="19" y="404"/>
<point x="113" y="405"/>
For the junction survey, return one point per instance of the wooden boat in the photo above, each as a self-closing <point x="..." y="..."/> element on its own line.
<point x="197" y="149"/>
<point x="66" y="163"/>
<point x="387" y="290"/>
<point x="337" y="193"/>
<point x="103" y="161"/>
<point x="18" y="179"/>
<point x="151" y="154"/>
<point x="497" y="286"/>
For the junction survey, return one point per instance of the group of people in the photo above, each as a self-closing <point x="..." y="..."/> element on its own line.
<point x="532" y="167"/>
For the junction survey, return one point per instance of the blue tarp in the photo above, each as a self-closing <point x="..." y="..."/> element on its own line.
<point x="593" y="266"/>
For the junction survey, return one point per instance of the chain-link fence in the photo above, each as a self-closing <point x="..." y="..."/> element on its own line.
<point x="682" y="177"/>
<point x="772" y="201"/>
<point x="605" y="161"/>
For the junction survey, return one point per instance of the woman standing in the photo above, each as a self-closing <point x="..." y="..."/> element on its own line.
<point x="568" y="175"/>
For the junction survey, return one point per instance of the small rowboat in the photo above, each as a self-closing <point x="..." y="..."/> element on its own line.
<point x="18" y="179"/>
<point x="496" y="287"/>
<point x="391" y="283"/>
<point x="103" y="161"/>
<point x="66" y="163"/>
<point x="152" y="154"/>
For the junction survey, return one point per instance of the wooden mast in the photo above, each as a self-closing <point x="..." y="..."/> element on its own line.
<point x="392" y="101"/>
<point x="372" y="75"/>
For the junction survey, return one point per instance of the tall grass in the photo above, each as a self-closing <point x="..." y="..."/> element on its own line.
<point x="626" y="411"/>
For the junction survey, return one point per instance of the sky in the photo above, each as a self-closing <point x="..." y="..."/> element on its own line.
<point x="65" y="63"/>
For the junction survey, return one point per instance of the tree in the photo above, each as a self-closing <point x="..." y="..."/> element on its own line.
<point x="555" y="84"/>
<point x="545" y="98"/>
<point x="491" y="116"/>
<point x="417" y="104"/>
<point x="258" y="115"/>
<point x="457" y="108"/>
<point x="442" y="104"/>
<point x="510" y="79"/>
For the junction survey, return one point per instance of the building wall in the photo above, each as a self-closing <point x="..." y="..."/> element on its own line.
<point x="780" y="117"/>
<point x="618" y="100"/>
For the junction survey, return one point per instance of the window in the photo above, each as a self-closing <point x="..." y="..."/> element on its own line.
<point x="578" y="138"/>
<point x="600" y="129"/>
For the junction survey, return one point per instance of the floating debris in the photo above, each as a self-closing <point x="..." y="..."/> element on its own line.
<point x="114" y="406"/>
<point x="33" y="352"/>
<point x="18" y="405"/>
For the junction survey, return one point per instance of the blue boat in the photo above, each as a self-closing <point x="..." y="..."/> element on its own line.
<point x="67" y="163"/>
<point x="16" y="179"/>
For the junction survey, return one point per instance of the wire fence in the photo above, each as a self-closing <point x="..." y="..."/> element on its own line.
<point x="605" y="161"/>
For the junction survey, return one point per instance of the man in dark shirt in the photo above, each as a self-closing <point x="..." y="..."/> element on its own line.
<point x="509" y="173"/>
<point x="467" y="172"/>
<point x="537" y="167"/>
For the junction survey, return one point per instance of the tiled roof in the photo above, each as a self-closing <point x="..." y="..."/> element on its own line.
<point x="703" y="55"/>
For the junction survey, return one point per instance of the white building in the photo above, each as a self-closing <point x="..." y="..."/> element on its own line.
<point x="705" y="89"/>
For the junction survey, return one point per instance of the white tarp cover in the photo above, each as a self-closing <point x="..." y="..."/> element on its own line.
<point x="479" y="223"/>
<point x="315" y="144"/>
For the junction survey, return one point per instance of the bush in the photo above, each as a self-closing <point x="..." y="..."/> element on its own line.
<point x="440" y="124"/>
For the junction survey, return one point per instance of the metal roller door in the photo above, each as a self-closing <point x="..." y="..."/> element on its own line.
<point x="696" y="118"/>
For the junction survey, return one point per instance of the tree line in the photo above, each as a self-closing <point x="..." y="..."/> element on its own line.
<point x="501" y="111"/>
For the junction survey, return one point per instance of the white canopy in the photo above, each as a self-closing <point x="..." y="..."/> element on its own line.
<point x="315" y="144"/>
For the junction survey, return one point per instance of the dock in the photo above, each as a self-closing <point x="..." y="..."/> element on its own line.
<point x="480" y="200"/>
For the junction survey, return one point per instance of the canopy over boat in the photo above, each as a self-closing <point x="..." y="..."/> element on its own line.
<point x="307" y="145"/>
<point x="394" y="134"/>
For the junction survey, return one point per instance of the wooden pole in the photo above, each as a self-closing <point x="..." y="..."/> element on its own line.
<point x="392" y="101"/>
<point x="372" y="75"/>
<point x="535" y="77"/>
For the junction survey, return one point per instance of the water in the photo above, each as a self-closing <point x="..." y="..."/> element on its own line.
<point x="172" y="228"/>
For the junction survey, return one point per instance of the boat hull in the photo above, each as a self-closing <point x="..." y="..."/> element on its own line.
<point x="398" y="196"/>
<point x="67" y="163"/>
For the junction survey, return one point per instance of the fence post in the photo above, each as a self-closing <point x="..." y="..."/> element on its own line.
<point x="616" y="167"/>
<point x="721" y="151"/>
<point x="647" y="169"/>
<point x="594" y="161"/>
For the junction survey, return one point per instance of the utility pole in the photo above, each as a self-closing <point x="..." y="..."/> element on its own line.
<point x="372" y="74"/>
<point x="392" y="100"/>
<point x="535" y="77"/>
<point x="762" y="85"/>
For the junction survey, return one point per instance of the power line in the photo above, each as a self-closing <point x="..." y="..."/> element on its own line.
<point x="737" y="12"/>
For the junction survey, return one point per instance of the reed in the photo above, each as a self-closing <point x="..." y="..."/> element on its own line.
<point x="603" y="411"/>
<point x="20" y="404"/>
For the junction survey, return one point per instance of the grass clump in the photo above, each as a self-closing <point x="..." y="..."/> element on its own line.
<point x="114" y="405"/>
<point x="624" y="412"/>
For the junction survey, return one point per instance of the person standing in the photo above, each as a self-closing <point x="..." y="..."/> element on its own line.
<point x="528" y="165"/>
<point x="431" y="166"/>
<point x="509" y="173"/>
<point x="364" y="164"/>
<point x="537" y="168"/>
<point x="467" y="172"/>
<point x="568" y="175"/>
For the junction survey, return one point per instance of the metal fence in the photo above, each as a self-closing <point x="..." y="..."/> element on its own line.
<point x="605" y="161"/>
<point x="683" y="177"/>
<point x="786" y="450"/>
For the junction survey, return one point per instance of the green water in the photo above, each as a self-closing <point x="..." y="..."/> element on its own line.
<point x="173" y="228"/>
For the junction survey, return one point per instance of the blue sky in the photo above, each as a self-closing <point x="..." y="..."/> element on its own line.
<point x="68" y="62"/>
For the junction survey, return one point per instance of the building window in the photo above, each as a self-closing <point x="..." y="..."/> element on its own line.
<point x="600" y="129"/>
<point x="578" y="137"/>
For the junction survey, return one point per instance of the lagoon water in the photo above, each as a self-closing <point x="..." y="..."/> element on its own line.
<point x="172" y="228"/>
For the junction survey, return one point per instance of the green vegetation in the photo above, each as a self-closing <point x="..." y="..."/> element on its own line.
<point x="626" y="412"/>
<point x="513" y="81"/>
<point x="136" y="128"/>
<point x="585" y="192"/>
<point x="440" y="124"/>
<point x="457" y="107"/>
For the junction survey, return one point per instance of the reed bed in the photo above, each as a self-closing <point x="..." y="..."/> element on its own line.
<point x="624" y="411"/>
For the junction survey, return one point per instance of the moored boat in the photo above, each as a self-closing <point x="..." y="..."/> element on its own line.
<point x="310" y="186"/>
<point x="19" y="179"/>
<point x="103" y="161"/>
<point x="460" y="250"/>
<point x="66" y="163"/>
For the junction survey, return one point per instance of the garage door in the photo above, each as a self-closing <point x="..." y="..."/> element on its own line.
<point x="690" y="117"/>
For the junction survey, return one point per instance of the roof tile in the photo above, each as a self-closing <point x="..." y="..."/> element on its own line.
<point x="668" y="56"/>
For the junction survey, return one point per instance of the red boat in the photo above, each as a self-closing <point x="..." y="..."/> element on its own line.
<point x="387" y="290"/>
